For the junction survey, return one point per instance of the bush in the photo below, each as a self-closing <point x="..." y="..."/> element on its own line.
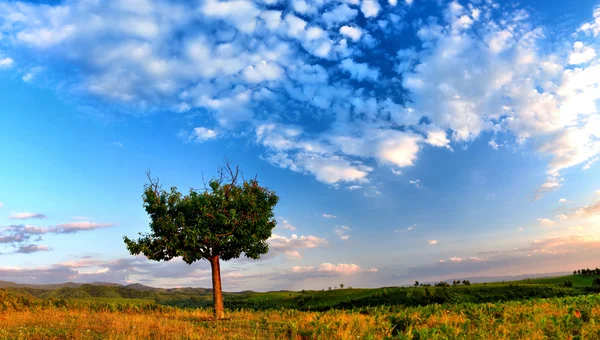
<point x="568" y="283"/>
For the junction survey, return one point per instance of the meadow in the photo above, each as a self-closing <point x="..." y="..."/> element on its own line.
<point x="527" y="309"/>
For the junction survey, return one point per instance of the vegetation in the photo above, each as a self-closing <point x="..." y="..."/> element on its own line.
<point x="24" y="316"/>
<point x="220" y="222"/>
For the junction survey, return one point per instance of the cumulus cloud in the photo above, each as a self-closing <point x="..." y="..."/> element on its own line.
<point x="290" y="246"/>
<point x="351" y="32"/>
<point x="341" y="268"/>
<point x="475" y="72"/>
<point x="359" y="71"/>
<point x="26" y="216"/>
<point x="292" y="255"/>
<point x="6" y="62"/>
<point x="581" y="54"/>
<point x="285" y="224"/>
<point x="370" y="8"/>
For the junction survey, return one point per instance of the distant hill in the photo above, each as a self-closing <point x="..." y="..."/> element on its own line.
<point x="141" y="287"/>
<point x="481" y="279"/>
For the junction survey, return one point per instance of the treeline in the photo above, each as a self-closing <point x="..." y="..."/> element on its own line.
<point x="443" y="283"/>
<point x="587" y="271"/>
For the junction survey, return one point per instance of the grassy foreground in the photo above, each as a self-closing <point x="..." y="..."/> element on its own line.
<point x="23" y="316"/>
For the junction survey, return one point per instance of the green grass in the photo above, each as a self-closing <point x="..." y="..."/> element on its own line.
<point x="578" y="280"/>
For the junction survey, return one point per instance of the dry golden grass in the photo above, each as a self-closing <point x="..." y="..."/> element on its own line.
<point x="556" y="318"/>
<point x="59" y="323"/>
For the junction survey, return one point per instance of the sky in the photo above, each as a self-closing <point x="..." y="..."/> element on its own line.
<point x="407" y="139"/>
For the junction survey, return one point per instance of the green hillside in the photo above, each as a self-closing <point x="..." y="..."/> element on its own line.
<point x="578" y="280"/>
<point x="329" y="299"/>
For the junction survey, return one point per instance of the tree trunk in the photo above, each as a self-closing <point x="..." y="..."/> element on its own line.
<point x="217" y="292"/>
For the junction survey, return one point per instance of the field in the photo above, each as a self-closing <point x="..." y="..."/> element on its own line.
<point x="534" y="309"/>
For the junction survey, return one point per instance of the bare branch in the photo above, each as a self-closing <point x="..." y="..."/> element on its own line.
<point x="154" y="182"/>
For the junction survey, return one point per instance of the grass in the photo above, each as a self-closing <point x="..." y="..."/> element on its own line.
<point x="578" y="280"/>
<point x="23" y="316"/>
<point x="526" y="309"/>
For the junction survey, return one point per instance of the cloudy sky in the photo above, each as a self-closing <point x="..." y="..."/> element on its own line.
<point x="407" y="139"/>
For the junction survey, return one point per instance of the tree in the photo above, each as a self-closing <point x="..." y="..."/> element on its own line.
<point x="341" y="286"/>
<point x="220" y="222"/>
<point x="574" y="272"/>
<point x="416" y="284"/>
<point x="568" y="283"/>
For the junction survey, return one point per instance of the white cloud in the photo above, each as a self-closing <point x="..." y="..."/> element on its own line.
<point x="592" y="27"/>
<point x="1" y="205"/>
<point x="562" y="200"/>
<point x="73" y="227"/>
<point x="262" y="71"/>
<point x="432" y="242"/>
<point x="292" y="255"/>
<point x="581" y="54"/>
<point x="354" y="187"/>
<point x="202" y="134"/>
<point x="437" y="137"/>
<point x="340" y="14"/>
<point x="26" y="216"/>
<point x="370" y="8"/>
<point x="302" y="269"/>
<point x="475" y="73"/>
<point x="546" y="222"/>
<point x="341" y="268"/>
<point x="588" y="165"/>
<point x="416" y="183"/>
<point x="285" y="224"/>
<point x="342" y="232"/>
<point x="282" y="243"/>
<point x="372" y="270"/>
<point x="329" y="216"/>
<point x="359" y="71"/>
<point x="351" y="32"/>
<point x="6" y="62"/>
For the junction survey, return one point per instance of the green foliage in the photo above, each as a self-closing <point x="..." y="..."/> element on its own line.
<point x="228" y="218"/>
<point x="568" y="283"/>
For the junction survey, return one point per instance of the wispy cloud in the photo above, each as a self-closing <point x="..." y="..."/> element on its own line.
<point x="416" y="183"/>
<point x="342" y="232"/>
<point x="26" y="216"/>
<point x="73" y="227"/>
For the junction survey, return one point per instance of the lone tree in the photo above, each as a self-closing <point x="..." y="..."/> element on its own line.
<point x="220" y="222"/>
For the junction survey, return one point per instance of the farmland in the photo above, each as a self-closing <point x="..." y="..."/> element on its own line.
<point x="528" y="309"/>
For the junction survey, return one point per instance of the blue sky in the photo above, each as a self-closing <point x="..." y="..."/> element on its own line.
<point x="407" y="140"/>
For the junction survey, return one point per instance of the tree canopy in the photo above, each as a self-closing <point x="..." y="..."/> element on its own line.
<point x="226" y="219"/>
